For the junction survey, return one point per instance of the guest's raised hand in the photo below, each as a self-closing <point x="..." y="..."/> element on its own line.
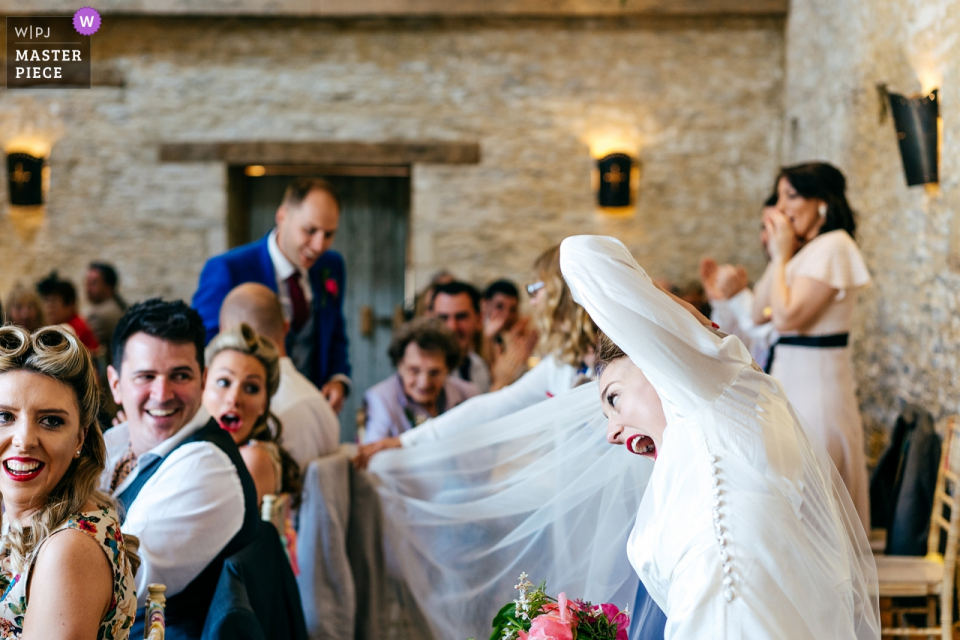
<point x="781" y="237"/>
<point x="731" y="280"/>
<point x="708" y="278"/>
<point x="520" y="343"/>
<point x="335" y="392"/>
<point x="494" y="320"/>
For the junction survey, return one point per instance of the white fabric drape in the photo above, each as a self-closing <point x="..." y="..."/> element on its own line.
<point x="538" y="491"/>
<point x="745" y="530"/>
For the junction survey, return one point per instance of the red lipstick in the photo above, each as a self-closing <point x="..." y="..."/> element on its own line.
<point x="26" y="469"/>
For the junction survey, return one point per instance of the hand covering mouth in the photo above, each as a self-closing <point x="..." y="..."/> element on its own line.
<point x="642" y="445"/>
<point x="230" y="421"/>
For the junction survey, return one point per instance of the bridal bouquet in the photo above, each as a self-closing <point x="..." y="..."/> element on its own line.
<point x="536" y="616"/>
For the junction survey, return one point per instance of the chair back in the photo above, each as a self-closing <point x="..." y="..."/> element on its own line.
<point x="274" y="510"/>
<point x="945" y="529"/>
<point x="155" y="627"/>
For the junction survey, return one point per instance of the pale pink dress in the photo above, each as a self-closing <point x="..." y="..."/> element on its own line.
<point x="820" y="382"/>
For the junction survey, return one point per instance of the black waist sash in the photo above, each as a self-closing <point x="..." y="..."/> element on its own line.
<point x="816" y="342"/>
<point x="187" y="610"/>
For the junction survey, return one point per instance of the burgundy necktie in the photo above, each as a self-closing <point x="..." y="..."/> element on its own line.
<point x="298" y="301"/>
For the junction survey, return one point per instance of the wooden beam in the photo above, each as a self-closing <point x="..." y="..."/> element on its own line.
<point x="404" y="8"/>
<point x="323" y="153"/>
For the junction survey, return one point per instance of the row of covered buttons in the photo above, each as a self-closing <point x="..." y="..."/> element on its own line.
<point x="718" y="527"/>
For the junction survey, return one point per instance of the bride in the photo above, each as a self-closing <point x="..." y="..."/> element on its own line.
<point x="745" y="529"/>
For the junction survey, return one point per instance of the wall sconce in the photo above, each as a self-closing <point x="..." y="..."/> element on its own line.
<point x="25" y="175"/>
<point x="28" y="179"/>
<point x="616" y="179"/>
<point x="916" y="120"/>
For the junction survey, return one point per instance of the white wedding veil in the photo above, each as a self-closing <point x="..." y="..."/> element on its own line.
<point x="539" y="491"/>
<point x="709" y="381"/>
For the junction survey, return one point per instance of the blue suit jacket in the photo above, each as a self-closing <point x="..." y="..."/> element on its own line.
<point x="251" y="263"/>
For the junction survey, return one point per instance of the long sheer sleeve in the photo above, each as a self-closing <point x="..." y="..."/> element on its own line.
<point x="687" y="363"/>
<point x="531" y="388"/>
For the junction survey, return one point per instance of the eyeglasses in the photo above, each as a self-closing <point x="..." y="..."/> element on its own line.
<point x="533" y="287"/>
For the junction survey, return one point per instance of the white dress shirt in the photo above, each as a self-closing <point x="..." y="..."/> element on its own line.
<point x="186" y="513"/>
<point x="479" y="372"/>
<point x="283" y="269"/>
<point x="310" y="427"/>
<point x="735" y="316"/>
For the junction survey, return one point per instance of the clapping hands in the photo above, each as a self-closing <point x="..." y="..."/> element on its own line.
<point x="722" y="282"/>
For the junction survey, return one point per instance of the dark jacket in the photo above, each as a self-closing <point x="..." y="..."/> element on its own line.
<point x="251" y="263"/>
<point x="902" y="486"/>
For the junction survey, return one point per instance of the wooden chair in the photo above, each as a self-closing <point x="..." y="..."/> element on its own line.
<point x="934" y="576"/>
<point x="155" y="627"/>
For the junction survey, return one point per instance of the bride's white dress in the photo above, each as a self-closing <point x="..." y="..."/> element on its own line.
<point x="745" y="529"/>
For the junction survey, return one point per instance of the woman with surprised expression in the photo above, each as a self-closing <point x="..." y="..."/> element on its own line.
<point x="243" y="374"/>
<point x="64" y="569"/>
<point x="745" y="529"/>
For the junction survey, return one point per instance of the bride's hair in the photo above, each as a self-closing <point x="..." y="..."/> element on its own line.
<point x="566" y="331"/>
<point x="58" y="354"/>
<point x="607" y="352"/>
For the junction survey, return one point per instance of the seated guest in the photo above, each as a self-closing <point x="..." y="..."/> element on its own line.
<point x="24" y="309"/>
<point x="105" y="305"/>
<point x="178" y="476"/>
<point x="60" y="307"/>
<point x="310" y="426"/>
<point x="508" y="339"/>
<point x="243" y="374"/>
<point x="424" y="352"/>
<point x="62" y="551"/>
<point x="457" y="305"/>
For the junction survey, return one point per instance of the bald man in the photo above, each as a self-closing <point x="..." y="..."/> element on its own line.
<point x="310" y="427"/>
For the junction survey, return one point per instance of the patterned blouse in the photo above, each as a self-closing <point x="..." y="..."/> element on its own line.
<point x="103" y="526"/>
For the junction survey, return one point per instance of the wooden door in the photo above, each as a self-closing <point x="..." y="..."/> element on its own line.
<point x="372" y="238"/>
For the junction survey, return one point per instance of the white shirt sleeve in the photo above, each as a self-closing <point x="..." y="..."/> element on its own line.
<point x="531" y="388"/>
<point x="184" y="516"/>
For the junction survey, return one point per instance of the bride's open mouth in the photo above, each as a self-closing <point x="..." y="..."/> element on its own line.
<point x="231" y="422"/>
<point x="642" y="445"/>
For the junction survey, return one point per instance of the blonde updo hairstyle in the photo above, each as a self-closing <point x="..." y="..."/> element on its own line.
<point x="58" y="354"/>
<point x="566" y="330"/>
<point x="243" y="339"/>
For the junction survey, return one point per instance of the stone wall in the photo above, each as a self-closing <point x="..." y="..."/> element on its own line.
<point x="699" y="99"/>
<point x="837" y="52"/>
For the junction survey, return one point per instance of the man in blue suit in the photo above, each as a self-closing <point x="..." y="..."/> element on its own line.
<point x="295" y="261"/>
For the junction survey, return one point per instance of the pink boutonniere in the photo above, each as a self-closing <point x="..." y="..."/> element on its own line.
<point x="331" y="286"/>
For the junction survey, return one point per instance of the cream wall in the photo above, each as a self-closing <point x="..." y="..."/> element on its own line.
<point x="837" y="52"/>
<point x="700" y="100"/>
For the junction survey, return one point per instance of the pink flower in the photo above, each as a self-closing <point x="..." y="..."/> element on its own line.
<point x="556" y="623"/>
<point x="621" y="619"/>
<point x="331" y="286"/>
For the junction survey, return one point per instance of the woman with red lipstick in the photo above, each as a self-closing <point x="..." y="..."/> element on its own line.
<point x="64" y="570"/>
<point x="745" y="529"/>
<point x="243" y="374"/>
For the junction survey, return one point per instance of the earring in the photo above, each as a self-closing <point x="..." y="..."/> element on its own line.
<point x="78" y="454"/>
<point x="822" y="209"/>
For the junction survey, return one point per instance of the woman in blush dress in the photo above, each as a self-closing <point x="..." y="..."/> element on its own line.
<point x="808" y="293"/>
<point x="745" y="530"/>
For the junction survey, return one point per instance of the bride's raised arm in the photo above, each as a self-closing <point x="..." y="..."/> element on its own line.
<point x="687" y="363"/>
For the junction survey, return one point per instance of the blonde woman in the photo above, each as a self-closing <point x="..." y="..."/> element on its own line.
<point x="243" y="374"/>
<point x="567" y="338"/>
<point x="64" y="570"/>
<point x="23" y="308"/>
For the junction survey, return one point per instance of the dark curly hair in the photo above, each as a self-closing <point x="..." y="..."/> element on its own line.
<point x="824" y="182"/>
<point x="170" y="320"/>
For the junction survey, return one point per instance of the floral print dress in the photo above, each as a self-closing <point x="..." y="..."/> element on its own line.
<point x="102" y="525"/>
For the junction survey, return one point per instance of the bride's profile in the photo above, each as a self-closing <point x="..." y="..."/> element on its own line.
<point x="745" y="529"/>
